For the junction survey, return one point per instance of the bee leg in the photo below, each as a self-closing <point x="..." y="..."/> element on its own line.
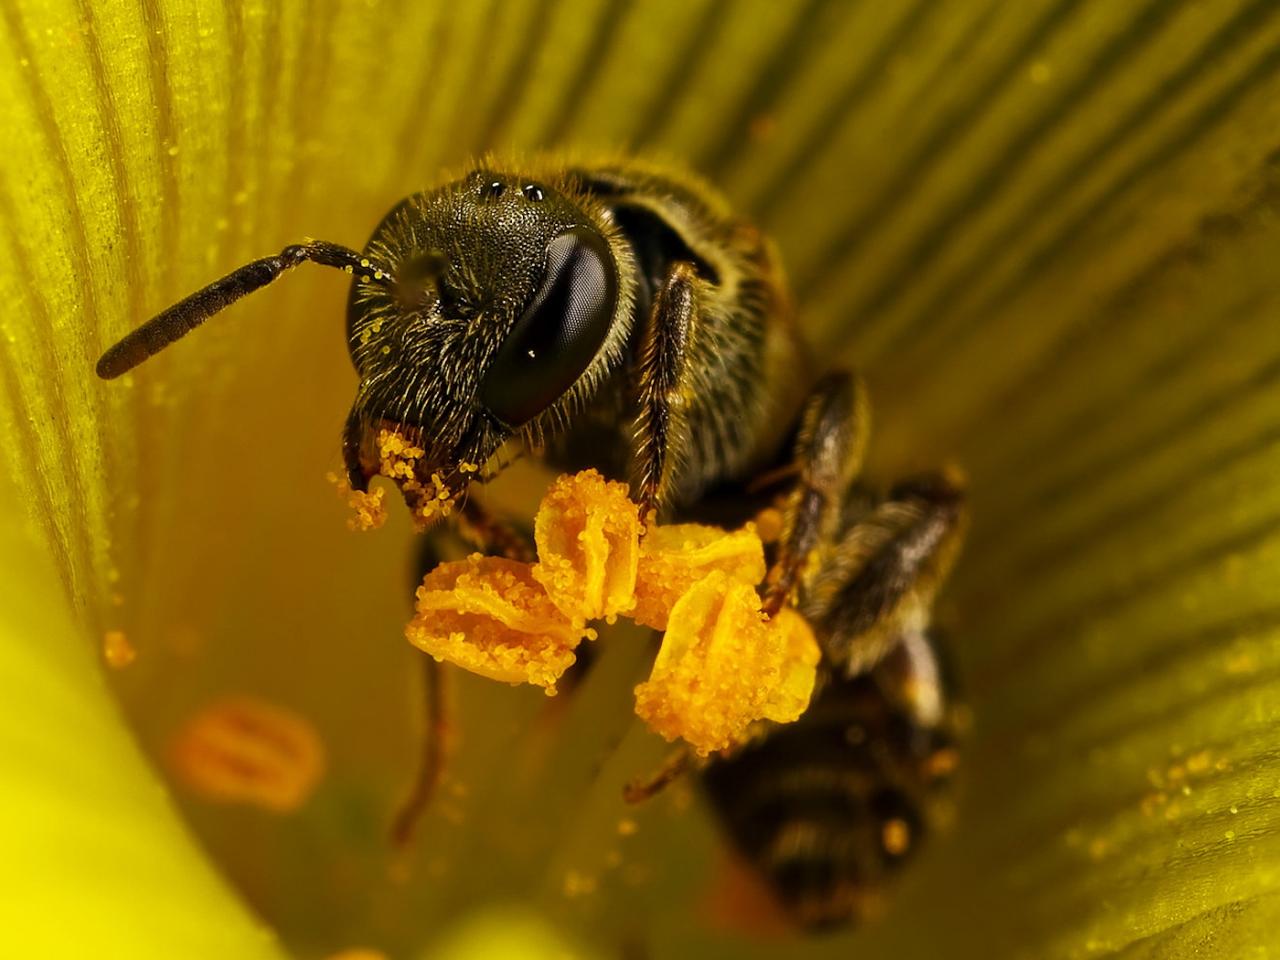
<point x="677" y="763"/>
<point x="830" y="444"/>
<point x="659" y="428"/>
<point x="431" y="755"/>
<point x="432" y="748"/>
<point x="490" y="534"/>
<point x="912" y="678"/>
<point x="878" y="582"/>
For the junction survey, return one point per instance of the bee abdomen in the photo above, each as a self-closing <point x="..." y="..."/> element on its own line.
<point x="828" y="807"/>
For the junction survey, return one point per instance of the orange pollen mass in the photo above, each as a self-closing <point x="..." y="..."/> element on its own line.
<point x="722" y="666"/>
<point x="490" y="616"/>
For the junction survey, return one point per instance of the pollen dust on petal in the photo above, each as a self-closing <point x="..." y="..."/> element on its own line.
<point x="242" y="750"/>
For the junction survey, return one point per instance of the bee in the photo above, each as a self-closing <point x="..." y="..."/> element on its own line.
<point x="618" y="315"/>
<point x="831" y="806"/>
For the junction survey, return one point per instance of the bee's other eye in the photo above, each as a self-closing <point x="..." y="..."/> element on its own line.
<point x="558" y="334"/>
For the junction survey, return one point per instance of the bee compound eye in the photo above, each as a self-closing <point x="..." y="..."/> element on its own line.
<point x="560" y="331"/>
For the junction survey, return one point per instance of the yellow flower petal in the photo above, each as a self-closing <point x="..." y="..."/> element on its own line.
<point x="95" y="857"/>
<point x="1046" y="230"/>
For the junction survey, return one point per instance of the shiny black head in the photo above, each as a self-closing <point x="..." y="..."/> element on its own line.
<point x="510" y="304"/>
<point x="485" y="309"/>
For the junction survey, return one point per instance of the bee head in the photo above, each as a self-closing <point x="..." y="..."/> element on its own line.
<point x="511" y="301"/>
<point x="483" y="310"/>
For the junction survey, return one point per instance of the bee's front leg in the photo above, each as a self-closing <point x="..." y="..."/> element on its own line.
<point x="432" y="748"/>
<point x="432" y="754"/>
<point x="659" y="428"/>
<point x="491" y="534"/>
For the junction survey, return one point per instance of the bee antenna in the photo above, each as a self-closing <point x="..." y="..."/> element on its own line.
<point x="184" y="316"/>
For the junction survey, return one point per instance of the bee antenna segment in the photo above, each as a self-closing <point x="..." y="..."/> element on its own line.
<point x="184" y="316"/>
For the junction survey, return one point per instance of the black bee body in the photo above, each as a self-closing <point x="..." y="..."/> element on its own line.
<point x="618" y="315"/>
<point x="831" y="806"/>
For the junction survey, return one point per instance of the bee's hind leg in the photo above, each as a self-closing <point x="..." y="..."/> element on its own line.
<point x="878" y="579"/>
<point x="912" y="678"/>
<point x="676" y="764"/>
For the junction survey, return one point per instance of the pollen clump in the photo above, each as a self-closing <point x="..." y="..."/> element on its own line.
<point x="430" y="498"/>
<point x="243" y="750"/>
<point x="587" y="532"/>
<point x="368" y="512"/>
<point x="673" y="558"/>
<point x="722" y="667"/>
<point x="398" y="461"/>
<point x="490" y="616"/>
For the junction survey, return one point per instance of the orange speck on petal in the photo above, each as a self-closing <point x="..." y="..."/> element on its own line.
<point x="117" y="650"/>
<point x="244" y="750"/>
<point x="895" y="836"/>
